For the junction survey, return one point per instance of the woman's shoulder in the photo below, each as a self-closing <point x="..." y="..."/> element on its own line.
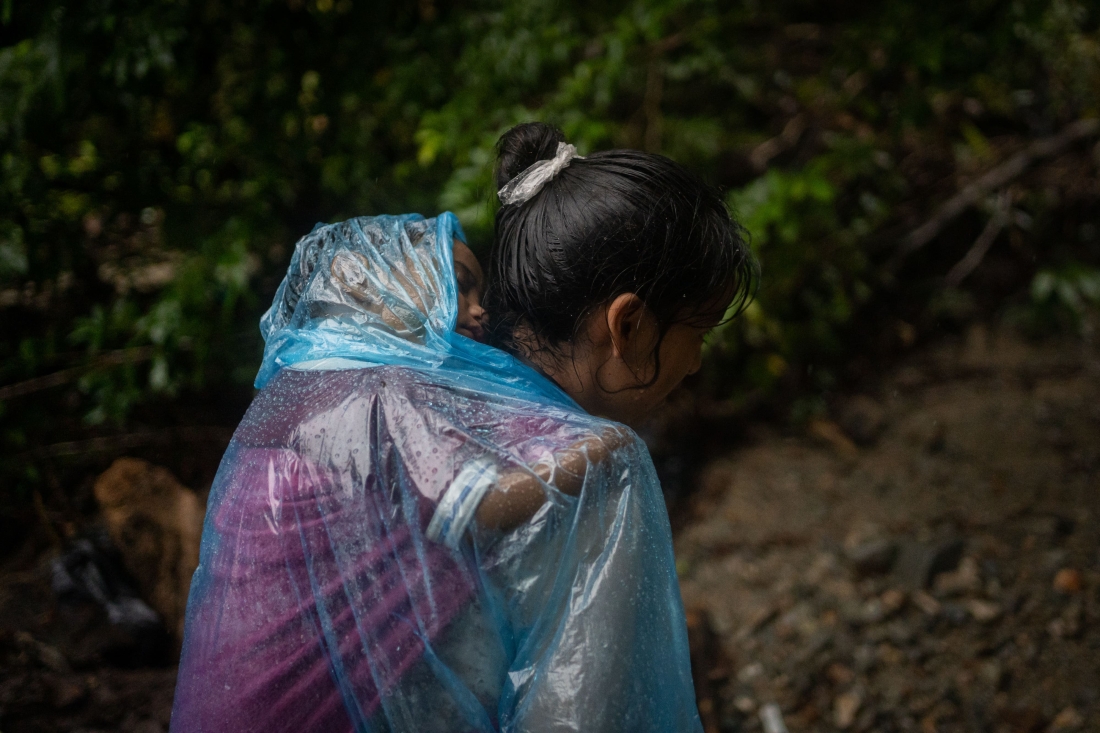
<point x="295" y="397"/>
<point x="340" y="398"/>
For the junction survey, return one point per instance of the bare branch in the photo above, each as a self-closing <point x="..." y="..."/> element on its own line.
<point x="782" y="142"/>
<point x="117" y="443"/>
<point x="112" y="358"/>
<point x="981" y="245"/>
<point x="996" y="178"/>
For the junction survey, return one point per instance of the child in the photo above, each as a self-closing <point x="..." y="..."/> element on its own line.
<point x="348" y="268"/>
<point x="414" y="531"/>
<point x="470" y="281"/>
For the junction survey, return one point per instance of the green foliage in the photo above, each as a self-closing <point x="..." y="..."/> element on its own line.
<point x="1066" y="294"/>
<point x="160" y="158"/>
<point x="813" y="245"/>
<point x="859" y="92"/>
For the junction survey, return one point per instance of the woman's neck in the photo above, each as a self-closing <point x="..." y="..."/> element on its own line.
<point x="573" y="369"/>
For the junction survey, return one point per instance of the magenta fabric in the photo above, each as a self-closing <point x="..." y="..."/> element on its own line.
<point x="311" y="560"/>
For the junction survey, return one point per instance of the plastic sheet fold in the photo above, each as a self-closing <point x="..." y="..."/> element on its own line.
<point x="347" y="581"/>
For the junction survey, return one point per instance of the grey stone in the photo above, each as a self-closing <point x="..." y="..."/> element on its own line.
<point x="919" y="562"/>
<point x="873" y="558"/>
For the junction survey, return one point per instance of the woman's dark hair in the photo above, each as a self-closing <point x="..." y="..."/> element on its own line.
<point x="615" y="222"/>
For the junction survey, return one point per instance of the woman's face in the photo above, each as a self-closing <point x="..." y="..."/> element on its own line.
<point x="471" y="284"/>
<point x="627" y="394"/>
<point x="623" y="366"/>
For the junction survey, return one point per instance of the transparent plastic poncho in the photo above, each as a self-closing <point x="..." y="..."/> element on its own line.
<point x="347" y="581"/>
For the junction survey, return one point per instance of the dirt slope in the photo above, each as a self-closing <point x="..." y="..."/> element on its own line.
<point x="943" y="577"/>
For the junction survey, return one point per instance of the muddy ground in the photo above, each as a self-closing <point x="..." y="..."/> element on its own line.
<point x="925" y="558"/>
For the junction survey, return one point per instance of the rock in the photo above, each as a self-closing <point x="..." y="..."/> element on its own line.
<point x="1068" y="581"/>
<point x="926" y="603"/>
<point x="875" y="557"/>
<point x="919" y="562"/>
<point x="900" y="632"/>
<point x="48" y="656"/>
<point x="759" y="618"/>
<point x="890" y="655"/>
<point x="893" y="691"/>
<point x="156" y="523"/>
<point x="772" y="719"/>
<point x="1021" y="719"/>
<point x="993" y="673"/>
<point x="1068" y="719"/>
<point x="799" y="621"/>
<point x="818" y="642"/>
<point x="864" y="658"/>
<point x="1069" y="624"/>
<point x="1051" y="527"/>
<point x="983" y="611"/>
<point x="750" y="672"/>
<point x="824" y="566"/>
<point x="863" y="419"/>
<point x="839" y="675"/>
<point x="893" y="600"/>
<point x="67" y="691"/>
<point x="829" y="433"/>
<point x="955" y="613"/>
<point x="871" y="612"/>
<point x="965" y="579"/>
<point x="845" y="708"/>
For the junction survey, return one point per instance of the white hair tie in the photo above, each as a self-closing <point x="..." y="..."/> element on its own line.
<point x="534" y="177"/>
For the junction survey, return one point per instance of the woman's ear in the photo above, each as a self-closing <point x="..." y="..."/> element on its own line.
<point x="632" y="329"/>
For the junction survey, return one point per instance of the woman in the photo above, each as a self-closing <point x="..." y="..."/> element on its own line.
<point x="412" y="531"/>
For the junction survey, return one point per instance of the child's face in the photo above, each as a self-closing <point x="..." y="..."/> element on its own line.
<point x="471" y="283"/>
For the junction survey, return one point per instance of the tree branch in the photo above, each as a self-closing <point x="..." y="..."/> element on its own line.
<point x="112" y="358"/>
<point x="116" y="443"/>
<point x="996" y="178"/>
<point x="981" y="245"/>
<point x="785" y="140"/>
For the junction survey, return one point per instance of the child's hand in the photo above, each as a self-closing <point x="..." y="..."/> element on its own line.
<point x="519" y="493"/>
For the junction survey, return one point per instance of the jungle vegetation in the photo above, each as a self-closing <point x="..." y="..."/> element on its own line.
<point x="902" y="168"/>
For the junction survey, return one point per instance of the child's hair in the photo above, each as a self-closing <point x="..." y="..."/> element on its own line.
<point x="619" y="221"/>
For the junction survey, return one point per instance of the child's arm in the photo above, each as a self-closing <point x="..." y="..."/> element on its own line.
<point x="518" y="493"/>
<point x="505" y="500"/>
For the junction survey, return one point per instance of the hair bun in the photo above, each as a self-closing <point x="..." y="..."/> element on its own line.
<point x="523" y="146"/>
